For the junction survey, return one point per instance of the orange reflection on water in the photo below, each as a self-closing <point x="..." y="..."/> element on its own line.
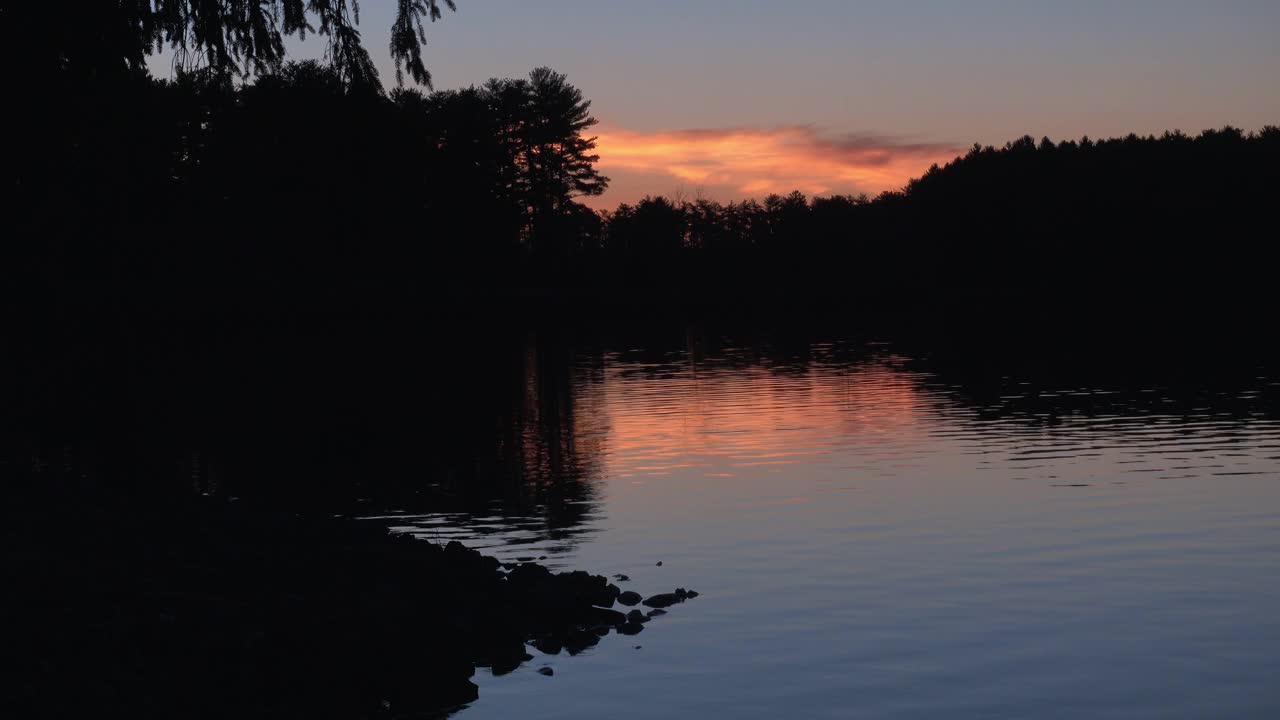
<point x="755" y="418"/>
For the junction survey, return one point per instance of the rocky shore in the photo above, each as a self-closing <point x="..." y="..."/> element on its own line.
<point x="208" y="609"/>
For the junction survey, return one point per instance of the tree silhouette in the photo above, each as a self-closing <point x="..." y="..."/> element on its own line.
<point x="1128" y="216"/>
<point x="509" y="160"/>
<point x="245" y="38"/>
<point x="558" y="161"/>
<point x="307" y="188"/>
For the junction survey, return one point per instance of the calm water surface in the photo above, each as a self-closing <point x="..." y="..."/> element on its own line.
<point x="871" y="540"/>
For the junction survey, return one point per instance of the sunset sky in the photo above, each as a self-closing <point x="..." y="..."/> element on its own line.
<point x="736" y="98"/>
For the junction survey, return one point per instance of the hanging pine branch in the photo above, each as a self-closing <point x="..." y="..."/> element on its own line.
<point x="222" y="37"/>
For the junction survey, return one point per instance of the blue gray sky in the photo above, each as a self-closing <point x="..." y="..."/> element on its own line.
<point x="931" y="76"/>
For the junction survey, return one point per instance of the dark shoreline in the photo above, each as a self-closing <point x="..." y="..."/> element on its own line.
<point x="208" y="608"/>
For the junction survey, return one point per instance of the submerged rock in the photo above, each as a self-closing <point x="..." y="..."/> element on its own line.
<point x="662" y="600"/>
<point x="603" y="616"/>
<point x="544" y="670"/>
<point x="655" y="613"/>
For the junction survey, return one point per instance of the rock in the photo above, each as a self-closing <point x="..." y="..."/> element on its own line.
<point x="693" y="594"/>
<point x="592" y="589"/>
<point x="603" y="616"/>
<point x="682" y="593"/>
<point x="524" y="576"/>
<point x="546" y="671"/>
<point x="604" y="596"/>
<point x="662" y="600"/>
<point x="639" y="646"/>
<point x="659" y="563"/>
<point x="578" y="640"/>
<point x="631" y="628"/>
<point x="629" y="598"/>
<point x="548" y="645"/>
<point x="621" y="578"/>
<point x="656" y="613"/>
<point x="503" y="657"/>
<point x="504" y="666"/>
<point x="637" y="616"/>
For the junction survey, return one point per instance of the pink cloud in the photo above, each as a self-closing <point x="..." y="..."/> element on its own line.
<point x="735" y="163"/>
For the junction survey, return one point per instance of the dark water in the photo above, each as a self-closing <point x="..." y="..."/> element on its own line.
<point x="896" y="524"/>
<point x="880" y="532"/>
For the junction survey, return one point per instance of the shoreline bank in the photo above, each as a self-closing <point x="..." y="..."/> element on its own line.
<point x="209" y="608"/>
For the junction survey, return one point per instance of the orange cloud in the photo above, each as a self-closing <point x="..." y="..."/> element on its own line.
<point x="735" y="163"/>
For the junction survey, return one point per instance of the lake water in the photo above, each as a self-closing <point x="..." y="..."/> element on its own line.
<point x="876" y="534"/>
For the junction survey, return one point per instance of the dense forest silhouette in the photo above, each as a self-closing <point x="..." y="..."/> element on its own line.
<point x="305" y="191"/>
<point x="249" y="184"/>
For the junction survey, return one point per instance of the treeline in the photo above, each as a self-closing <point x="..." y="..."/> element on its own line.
<point x="1173" y="213"/>
<point x="304" y="190"/>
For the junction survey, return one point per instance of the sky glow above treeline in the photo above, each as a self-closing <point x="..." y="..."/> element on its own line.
<point x="731" y="163"/>
<point x="733" y="99"/>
